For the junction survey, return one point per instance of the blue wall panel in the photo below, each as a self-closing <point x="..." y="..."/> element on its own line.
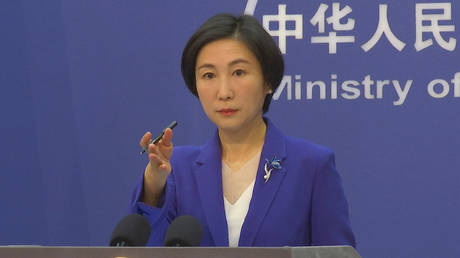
<point x="81" y="81"/>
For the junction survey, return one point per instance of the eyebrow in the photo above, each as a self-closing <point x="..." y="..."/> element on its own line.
<point x="232" y="63"/>
<point x="239" y="60"/>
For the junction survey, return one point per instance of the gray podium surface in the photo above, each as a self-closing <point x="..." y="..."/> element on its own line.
<point x="178" y="252"/>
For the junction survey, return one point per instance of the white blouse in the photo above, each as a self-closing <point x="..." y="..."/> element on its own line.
<point x="236" y="213"/>
<point x="240" y="182"/>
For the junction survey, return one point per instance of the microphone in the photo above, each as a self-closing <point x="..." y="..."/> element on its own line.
<point x="132" y="230"/>
<point x="184" y="231"/>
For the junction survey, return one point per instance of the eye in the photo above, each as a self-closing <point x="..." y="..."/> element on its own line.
<point x="239" y="72"/>
<point x="208" y="76"/>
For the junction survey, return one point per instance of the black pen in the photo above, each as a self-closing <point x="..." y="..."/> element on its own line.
<point x="158" y="138"/>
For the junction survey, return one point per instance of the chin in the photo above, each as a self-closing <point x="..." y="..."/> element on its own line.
<point x="227" y="124"/>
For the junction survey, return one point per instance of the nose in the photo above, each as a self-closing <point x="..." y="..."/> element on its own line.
<point x="225" y="91"/>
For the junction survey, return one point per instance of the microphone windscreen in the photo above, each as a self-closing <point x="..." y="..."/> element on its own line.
<point x="184" y="231"/>
<point x="132" y="230"/>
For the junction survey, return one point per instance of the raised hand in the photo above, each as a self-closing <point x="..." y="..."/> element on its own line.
<point x="159" y="166"/>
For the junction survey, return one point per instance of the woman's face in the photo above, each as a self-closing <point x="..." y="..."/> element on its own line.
<point x="230" y="85"/>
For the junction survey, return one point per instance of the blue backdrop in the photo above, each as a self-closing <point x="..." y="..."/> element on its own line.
<point x="376" y="81"/>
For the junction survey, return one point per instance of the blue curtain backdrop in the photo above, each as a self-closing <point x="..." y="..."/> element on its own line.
<point x="81" y="81"/>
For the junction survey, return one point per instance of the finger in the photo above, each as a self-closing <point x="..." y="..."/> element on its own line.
<point x="155" y="155"/>
<point x="159" y="162"/>
<point x="167" y="137"/>
<point x="155" y="149"/>
<point x="165" y="167"/>
<point x="161" y="152"/>
<point x="145" y="139"/>
<point x="155" y="162"/>
<point x="166" y="150"/>
<point x="152" y="148"/>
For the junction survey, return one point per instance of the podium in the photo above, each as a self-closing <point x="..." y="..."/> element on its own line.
<point x="178" y="252"/>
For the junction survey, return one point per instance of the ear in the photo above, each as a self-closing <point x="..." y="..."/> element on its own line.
<point x="268" y="88"/>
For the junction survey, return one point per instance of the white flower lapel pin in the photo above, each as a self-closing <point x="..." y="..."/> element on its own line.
<point x="275" y="163"/>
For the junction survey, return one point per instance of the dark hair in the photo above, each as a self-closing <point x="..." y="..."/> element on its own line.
<point x="245" y="28"/>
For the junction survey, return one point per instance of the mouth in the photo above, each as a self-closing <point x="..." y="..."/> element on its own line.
<point x="227" y="111"/>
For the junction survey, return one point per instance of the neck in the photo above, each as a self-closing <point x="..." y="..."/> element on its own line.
<point x="240" y="146"/>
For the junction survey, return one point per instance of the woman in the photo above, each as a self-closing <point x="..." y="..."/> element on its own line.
<point x="250" y="185"/>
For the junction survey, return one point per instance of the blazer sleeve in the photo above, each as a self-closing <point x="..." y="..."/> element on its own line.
<point x="330" y="220"/>
<point x="159" y="217"/>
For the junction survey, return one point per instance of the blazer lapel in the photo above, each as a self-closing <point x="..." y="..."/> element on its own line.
<point x="264" y="192"/>
<point x="207" y="170"/>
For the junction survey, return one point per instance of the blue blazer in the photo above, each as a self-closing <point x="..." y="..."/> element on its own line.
<point x="301" y="204"/>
